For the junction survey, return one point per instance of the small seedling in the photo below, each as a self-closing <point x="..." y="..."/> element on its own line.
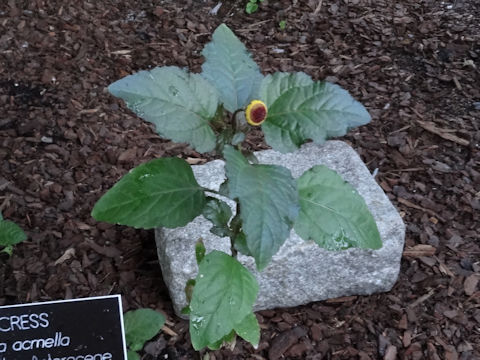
<point x="213" y="111"/>
<point x="140" y="326"/>
<point x="282" y="25"/>
<point x="252" y="6"/>
<point x="10" y="235"/>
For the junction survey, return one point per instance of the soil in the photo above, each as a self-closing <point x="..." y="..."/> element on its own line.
<point x="64" y="141"/>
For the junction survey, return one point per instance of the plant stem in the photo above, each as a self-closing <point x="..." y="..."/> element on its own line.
<point x="233" y="120"/>
<point x="235" y="228"/>
<point x="211" y="190"/>
<point x="232" y="247"/>
<point x="234" y="115"/>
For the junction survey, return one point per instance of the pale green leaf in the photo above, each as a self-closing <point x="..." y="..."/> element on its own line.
<point x="10" y="233"/>
<point x="230" y="68"/>
<point x="249" y="330"/>
<point x="275" y="85"/>
<point x="224" y="294"/>
<point x="140" y="326"/>
<point x="268" y="200"/>
<point x="317" y="111"/>
<point x="180" y="104"/>
<point x="238" y="138"/>
<point x="333" y="214"/>
<point x="161" y="192"/>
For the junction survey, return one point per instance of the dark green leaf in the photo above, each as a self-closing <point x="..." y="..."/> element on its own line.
<point x="231" y="69"/>
<point x="224" y="138"/>
<point x="219" y="231"/>
<point x="268" y="200"/>
<point x="317" y="111"/>
<point x="132" y="355"/>
<point x="185" y="310"/>
<point x="333" y="214"/>
<point x="180" y="104"/>
<point x="10" y="233"/>
<point x="140" y="326"/>
<point x="223" y="295"/>
<point x="219" y="213"/>
<point x="249" y="330"/>
<point x="161" y="192"/>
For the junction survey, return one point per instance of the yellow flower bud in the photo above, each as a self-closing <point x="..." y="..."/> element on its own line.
<point x="256" y="112"/>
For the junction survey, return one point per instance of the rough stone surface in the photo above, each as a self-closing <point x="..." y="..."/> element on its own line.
<point x="301" y="272"/>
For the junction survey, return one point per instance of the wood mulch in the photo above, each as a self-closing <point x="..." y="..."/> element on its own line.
<point x="64" y="141"/>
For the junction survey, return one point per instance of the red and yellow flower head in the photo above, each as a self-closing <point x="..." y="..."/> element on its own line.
<point x="256" y="112"/>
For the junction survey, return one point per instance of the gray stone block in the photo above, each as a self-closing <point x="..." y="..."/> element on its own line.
<point x="301" y="272"/>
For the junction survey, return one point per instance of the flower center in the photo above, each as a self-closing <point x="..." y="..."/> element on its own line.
<point x="258" y="114"/>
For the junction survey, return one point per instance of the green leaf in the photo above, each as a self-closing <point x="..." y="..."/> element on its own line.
<point x="241" y="244"/>
<point x="200" y="250"/>
<point x="317" y="111"/>
<point x="223" y="295"/>
<point x="249" y="330"/>
<point x="238" y="138"/>
<point x="224" y="340"/>
<point x="189" y="289"/>
<point x="7" y="250"/>
<point x="268" y="200"/>
<point x="180" y="104"/>
<point x="219" y="213"/>
<point x="132" y="355"/>
<point x="223" y="189"/>
<point x="274" y="86"/>
<point x="251" y="7"/>
<point x="10" y="233"/>
<point x="230" y="68"/>
<point x="333" y="214"/>
<point x="161" y="192"/>
<point x="223" y="138"/>
<point x="140" y="326"/>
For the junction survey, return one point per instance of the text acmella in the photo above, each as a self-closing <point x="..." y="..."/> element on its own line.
<point x="33" y="344"/>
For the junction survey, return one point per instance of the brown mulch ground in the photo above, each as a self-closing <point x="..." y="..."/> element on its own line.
<point x="64" y="141"/>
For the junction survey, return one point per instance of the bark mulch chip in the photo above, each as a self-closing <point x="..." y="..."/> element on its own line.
<point x="64" y="141"/>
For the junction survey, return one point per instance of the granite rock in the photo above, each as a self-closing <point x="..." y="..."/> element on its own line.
<point x="301" y="272"/>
